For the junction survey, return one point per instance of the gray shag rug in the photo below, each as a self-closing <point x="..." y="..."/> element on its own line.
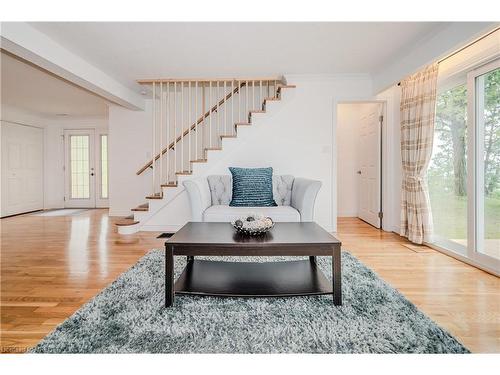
<point x="128" y="317"/>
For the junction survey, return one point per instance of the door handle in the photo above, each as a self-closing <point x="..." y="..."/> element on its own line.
<point x="358" y="172"/>
<point x="92" y="174"/>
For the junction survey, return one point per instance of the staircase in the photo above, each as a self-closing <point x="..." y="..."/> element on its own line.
<point x="189" y="121"/>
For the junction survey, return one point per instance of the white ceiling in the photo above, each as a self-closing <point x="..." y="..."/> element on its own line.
<point x="130" y="51"/>
<point x="33" y="90"/>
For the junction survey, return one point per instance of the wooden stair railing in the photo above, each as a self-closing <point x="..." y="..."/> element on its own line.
<point x="173" y="144"/>
<point x="276" y="83"/>
<point x="192" y="127"/>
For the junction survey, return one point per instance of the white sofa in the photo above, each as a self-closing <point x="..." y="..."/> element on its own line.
<point x="210" y="198"/>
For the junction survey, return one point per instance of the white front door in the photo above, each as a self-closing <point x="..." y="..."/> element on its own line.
<point x="22" y="168"/>
<point x="79" y="168"/>
<point x="369" y="201"/>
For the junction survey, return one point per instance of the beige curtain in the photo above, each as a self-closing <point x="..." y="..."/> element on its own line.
<point x="418" y="104"/>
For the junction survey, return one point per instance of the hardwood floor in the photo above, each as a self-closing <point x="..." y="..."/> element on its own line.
<point x="460" y="298"/>
<point x="52" y="265"/>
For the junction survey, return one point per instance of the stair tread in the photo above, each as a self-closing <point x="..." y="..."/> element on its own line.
<point x="242" y="123"/>
<point x="271" y="98"/>
<point x="156" y="196"/>
<point x="126" y="222"/>
<point x="286" y="86"/>
<point x="183" y="173"/>
<point x="142" y="207"/>
<point x="257" y="111"/>
<point x="228" y="136"/>
<point x="170" y="184"/>
<point x="199" y="161"/>
<point x="213" y="149"/>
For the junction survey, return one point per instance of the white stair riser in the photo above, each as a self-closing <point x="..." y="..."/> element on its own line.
<point x="128" y="229"/>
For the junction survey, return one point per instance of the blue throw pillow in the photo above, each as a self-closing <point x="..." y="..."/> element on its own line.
<point x="252" y="187"/>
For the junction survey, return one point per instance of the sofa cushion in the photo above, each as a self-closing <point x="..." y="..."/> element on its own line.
<point x="252" y="187"/>
<point x="225" y="213"/>
<point x="282" y="189"/>
<point x="221" y="189"/>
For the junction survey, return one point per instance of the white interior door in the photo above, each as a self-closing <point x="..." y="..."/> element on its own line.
<point x="369" y="201"/>
<point x="80" y="168"/>
<point x="22" y="168"/>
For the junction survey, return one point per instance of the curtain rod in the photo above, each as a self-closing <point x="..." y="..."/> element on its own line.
<point x="464" y="47"/>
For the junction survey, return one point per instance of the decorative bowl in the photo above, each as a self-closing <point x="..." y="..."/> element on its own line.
<point x="253" y="224"/>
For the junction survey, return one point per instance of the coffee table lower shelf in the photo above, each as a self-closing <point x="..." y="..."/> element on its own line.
<point x="245" y="279"/>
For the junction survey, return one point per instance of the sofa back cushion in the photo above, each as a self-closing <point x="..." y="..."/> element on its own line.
<point x="221" y="189"/>
<point x="282" y="189"/>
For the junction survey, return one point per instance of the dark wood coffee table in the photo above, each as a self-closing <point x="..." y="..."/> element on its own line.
<point x="245" y="279"/>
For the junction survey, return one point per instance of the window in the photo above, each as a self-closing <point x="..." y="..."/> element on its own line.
<point x="447" y="173"/>
<point x="104" y="166"/>
<point x="487" y="126"/>
<point x="79" y="164"/>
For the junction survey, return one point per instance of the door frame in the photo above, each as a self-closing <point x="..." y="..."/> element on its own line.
<point x="80" y="203"/>
<point x="385" y="173"/>
<point x="475" y="172"/>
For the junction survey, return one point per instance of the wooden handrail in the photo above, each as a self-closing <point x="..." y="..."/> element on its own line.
<point x="204" y="80"/>
<point x="192" y="127"/>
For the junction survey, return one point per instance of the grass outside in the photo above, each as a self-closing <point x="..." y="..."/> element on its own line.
<point x="449" y="214"/>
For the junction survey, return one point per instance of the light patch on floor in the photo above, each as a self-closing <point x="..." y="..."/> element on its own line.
<point x="418" y="248"/>
<point x="62" y="212"/>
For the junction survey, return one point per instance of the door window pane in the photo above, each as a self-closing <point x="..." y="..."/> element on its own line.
<point x="447" y="173"/>
<point x="79" y="164"/>
<point x="488" y="168"/>
<point x="104" y="166"/>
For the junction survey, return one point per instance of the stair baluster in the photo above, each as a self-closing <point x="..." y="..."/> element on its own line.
<point x="167" y="99"/>
<point x="153" y="131"/>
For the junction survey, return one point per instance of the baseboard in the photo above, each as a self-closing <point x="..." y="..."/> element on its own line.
<point x="168" y="228"/>
<point x="347" y="214"/>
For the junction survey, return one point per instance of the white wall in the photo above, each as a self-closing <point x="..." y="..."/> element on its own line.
<point x="129" y="149"/>
<point x="348" y="125"/>
<point x="298" y="137"/>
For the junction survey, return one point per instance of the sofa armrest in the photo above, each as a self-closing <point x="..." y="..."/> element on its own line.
<point x="199" y="197"/>
<point x="304" y="192"/>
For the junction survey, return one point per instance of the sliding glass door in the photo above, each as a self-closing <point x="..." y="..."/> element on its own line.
<point x="464" y="173"/>
<point x="484" y="145"/>
<point x="447" y="174"/>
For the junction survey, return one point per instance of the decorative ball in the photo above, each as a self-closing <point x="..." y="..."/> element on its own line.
<point x="238" y="223"/>
<point x="250" y="218"/>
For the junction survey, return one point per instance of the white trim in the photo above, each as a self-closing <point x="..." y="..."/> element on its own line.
<point x="462" y="258"/>
<point x="432" y="48"/>
<point x="475" y="173"/>
<point x="100" y="202"/>
<point x="387" y="171"/>
<point x="77" y="202"/>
